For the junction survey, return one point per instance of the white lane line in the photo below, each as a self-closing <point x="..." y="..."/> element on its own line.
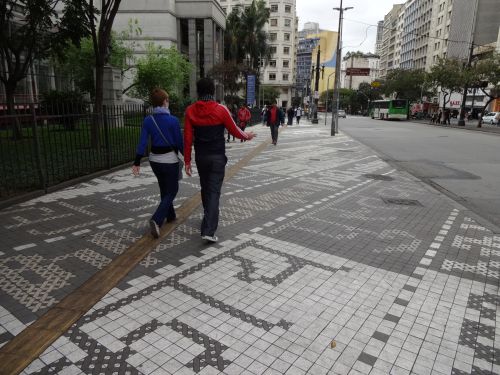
<point x="54" y="239"/>
<point x="83" y="231"/>
<point x="23" y="247"/>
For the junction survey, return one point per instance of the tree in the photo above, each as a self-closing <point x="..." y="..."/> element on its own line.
<point x="100" y="31"/>
<point x="269" y="94"/>
<point x="448" y="75"/>
<point x="486" y="75"/>
<point x="233" y="48"/>
<point x="29" y="30"/>
<point x="78" y="61"/>
<point x="161" y="67"/>
<point x="230" y="74"/>
<point x="411" y="84"/>
<point x="254" y="38"/>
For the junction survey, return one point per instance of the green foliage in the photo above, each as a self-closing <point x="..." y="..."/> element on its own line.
<point x="449" y="75"/>
<point x="269" y="94"/>
<point x="78" y="61"/>
<point x="66" y="105"/>
<point x="161" y="67"/>
<point x="487" y="71"/>
<point x="409" y="84"/>
<point x="245" y="38"/>
<point x="230" y="74"/>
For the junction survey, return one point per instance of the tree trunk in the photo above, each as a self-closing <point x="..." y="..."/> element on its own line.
<point x="97" y="120"/>
<point x="480" y="122"/>
<point x="10" y="90"/>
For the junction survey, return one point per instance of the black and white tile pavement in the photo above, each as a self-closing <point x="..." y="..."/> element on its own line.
<point x="321" y="241"/>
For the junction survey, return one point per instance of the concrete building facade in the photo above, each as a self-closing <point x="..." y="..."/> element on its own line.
<point x="380" y="33"/>
<point x="366" y="61"/>
<point x="194" y="27"/>
<point x="390" y="37"/>
<point x="283" y="39"/>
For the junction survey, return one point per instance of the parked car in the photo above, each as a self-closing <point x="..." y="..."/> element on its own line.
<point x="491" y="118"/>
<point x="342" y="113"/>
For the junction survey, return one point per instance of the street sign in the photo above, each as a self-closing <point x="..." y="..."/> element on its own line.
<point x="357" y="71"/>
<point x="375" y="84"/>
<point x="250" y="89"/>
<point x="316" y="95"/>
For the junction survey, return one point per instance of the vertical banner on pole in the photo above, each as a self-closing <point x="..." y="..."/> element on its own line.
<point x="251" y="89"/>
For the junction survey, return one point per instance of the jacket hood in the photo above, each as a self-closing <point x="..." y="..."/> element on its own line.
<point x="204" y="111"/>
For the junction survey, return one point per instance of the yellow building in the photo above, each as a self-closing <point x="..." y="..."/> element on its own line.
<point x="328" y="48"/>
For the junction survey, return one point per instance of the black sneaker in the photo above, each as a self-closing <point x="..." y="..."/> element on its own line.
<point x="155" y="229"/>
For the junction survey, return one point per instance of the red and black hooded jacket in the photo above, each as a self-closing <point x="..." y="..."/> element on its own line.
<point x="205" y="121"/>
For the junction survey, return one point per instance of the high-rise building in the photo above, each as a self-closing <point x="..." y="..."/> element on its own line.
<point x="195" y="28"/>
<point x="283" y="34"/>
<point x="305" y="47"/>
<point x="473" y="23"/>
<point x="390" y="37"/>
<point x="416" y="26"/>
<point x="380" y="32"/>
<point x="418" y="32"/>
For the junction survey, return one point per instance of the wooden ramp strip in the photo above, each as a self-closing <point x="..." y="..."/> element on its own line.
<point x="24" y="348"/>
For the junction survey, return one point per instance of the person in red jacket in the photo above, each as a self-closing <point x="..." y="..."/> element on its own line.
<point x="204" y="125"/>
<point x="244" y="117"/>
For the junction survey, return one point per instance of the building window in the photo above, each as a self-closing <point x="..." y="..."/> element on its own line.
<point x="287" y="37"/>
<point x="272" y="63"/>
<point x="286" y="50"/>
<point x="273" y="37"/>
<point x="274" y="22"/>
<point x="272" y="49"/>
<point x="224" y="10"/>
<point x="288" y="9"/>
<point x="274" y="8"/>
<point x="272" y="76"/>
<point x="288" y="22"/>
<point x="286" y="64"/>
<point x="285" y="76"/>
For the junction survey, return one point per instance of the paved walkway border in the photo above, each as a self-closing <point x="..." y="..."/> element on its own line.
<point x="18" y="353"/>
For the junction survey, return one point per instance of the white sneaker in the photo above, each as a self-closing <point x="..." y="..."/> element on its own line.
<point x="210" y="238"/>
<point x="155" y="229"/>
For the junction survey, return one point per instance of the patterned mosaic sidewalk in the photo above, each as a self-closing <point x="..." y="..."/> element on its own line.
<point x="331" y="262"/>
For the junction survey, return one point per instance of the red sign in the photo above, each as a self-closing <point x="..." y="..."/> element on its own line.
<point x="357" y="71"/>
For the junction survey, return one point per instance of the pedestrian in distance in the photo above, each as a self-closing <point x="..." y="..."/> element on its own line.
<point x="204" y="125"/>
<point x="234" y="115"/>
<point x="263" y="114"/>
<point x="298" y="114"/>
<point x="164" y="131"/>
<point x="440" y="114"/>
<point x="274" y="118"/>
<point x="244" y="117"/>
<point x="289" y="114"/>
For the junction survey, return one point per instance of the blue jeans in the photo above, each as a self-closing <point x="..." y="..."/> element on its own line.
<point x="211" y="169"/>
<point x="167" y="175"/>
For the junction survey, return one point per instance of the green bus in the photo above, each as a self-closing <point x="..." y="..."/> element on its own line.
<point x="390" y="109"/>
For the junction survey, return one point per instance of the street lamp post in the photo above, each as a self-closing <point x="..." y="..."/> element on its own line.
<point x="335" y="116"/>
<point x="316" y="88"/>
<point x="326" y="101"/>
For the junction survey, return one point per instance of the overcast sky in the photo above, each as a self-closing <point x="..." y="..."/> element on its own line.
<point x="356" y="35"/>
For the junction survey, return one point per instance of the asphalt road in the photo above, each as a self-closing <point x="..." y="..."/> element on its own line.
<point x="463" y="164"/>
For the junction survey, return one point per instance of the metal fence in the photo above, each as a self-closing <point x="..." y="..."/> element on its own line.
<point x="42" y="145"/>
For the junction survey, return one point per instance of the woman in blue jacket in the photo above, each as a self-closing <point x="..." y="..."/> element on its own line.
<point x="163" y="156"/>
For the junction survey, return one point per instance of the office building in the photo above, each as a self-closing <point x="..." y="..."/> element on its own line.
<point x="283" y="33"/>
<point x="355" y="66"/>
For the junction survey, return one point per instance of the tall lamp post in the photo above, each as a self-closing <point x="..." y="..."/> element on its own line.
<point x="336" y="95"/>
<point x="316" y="88"/>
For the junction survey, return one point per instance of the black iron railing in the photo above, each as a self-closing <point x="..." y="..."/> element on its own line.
<point x="42" y="145"/>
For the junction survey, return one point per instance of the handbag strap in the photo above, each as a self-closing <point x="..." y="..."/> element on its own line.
<point x="162" y="135"/>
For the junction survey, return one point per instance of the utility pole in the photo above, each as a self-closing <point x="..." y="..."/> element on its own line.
<point x="461" y="120"/>
<point x="326" y="101"/>
<point x="316" y="87"/>
<point x="336" y="95"/>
